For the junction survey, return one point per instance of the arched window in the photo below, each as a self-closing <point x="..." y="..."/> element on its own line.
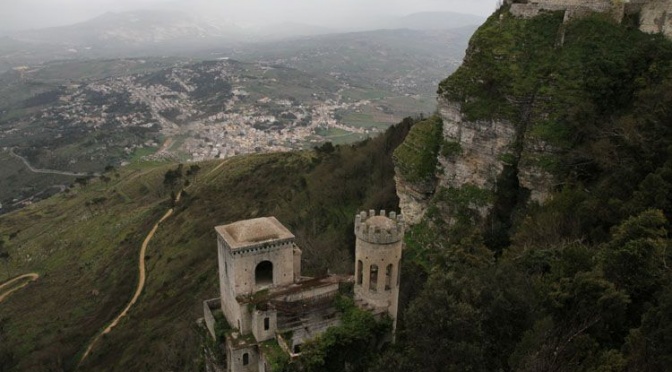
<point x="373" y="278"/>
<point x="246" y="359"/>
<point x="263" y="274"/>
<point x="360" y="273"/>
<point x="388" y="277"/>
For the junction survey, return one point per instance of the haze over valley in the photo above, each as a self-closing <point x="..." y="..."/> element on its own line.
<point x="163" y="85"/>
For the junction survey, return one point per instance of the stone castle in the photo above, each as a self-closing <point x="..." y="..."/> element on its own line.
<point x="655" y="16"/>
<point x="264" y="298"/>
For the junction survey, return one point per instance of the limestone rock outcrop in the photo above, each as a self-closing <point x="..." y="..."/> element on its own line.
<point x="414" y="198"/>
<point x="482" y="146"/>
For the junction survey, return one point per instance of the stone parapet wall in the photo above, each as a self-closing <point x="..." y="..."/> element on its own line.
<point x="376" y="234"/>
<point x="208" y="306"/>
<point x="655" y="16"/>
<point x="573" y="8"/>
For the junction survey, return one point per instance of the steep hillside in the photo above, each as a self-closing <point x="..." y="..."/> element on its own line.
<point x="85" y="244"/>
<point x="541" y="228"/>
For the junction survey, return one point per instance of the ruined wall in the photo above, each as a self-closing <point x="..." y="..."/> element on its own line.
<point x="573" y="7"/>
<point x="656" y="17"/>
<point x="241" y="358"/>
<point x="259" y="321"/>
<point x="208" y="306"/>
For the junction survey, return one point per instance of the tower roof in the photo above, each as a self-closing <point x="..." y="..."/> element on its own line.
<point x="247" y="233"/>
<point x="381" y="222"/>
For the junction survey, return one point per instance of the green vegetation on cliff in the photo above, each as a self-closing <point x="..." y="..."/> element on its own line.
<point x="416" y="156"/>
<point x="581" y="282"/>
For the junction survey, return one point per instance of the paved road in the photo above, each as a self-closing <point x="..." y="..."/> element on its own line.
<point x="46" y="171"/>
<point x="32" y="276"/>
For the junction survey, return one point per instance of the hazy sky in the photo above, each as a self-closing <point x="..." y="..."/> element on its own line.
<point x="24" y="14"/>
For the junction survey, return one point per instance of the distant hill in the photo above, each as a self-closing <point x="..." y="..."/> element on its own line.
<point x="436" y="21"/>
<point x="288" y="30"/>
<point x="168" y="32"/>
<point x="132" y="28"/>
<point x="371" y="58"/>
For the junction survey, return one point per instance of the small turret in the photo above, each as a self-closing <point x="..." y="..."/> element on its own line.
<point x="379" y="229"/>
<point x="378" y="259"/>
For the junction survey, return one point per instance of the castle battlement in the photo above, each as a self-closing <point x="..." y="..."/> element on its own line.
<point x="379" y="229"/>
<point x="654" y="15"/>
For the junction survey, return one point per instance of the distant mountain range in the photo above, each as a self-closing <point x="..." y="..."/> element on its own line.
<point x="161" y="26"/>
<point x="169" y="32"/>
<point x="133" y="28"/>
<point x="436" y="21"/>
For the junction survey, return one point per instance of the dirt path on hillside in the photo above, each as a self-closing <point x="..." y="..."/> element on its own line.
<point x="45" y="171"/>
<point x="218" y="166"/>
<point x="141" y="281"/>
<point x="32" y="276"/>
<point x="141" y="270"/>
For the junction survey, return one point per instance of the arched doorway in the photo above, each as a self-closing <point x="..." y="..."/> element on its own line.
<point x="263" y="274"/>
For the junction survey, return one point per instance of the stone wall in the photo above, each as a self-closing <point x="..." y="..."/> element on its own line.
<point x="208" y="306"/>
<point x="242" y="359"/>
<point x="656" y="17"/>
<point x="375" y="235"/>
<point x="573" y="8"/>
<point x="237" y="276"/>
<point x="259" y="321"/>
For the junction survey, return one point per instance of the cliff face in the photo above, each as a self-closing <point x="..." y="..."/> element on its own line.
<point x="552" y="197"/>
<point x="475" y="148"/>
<point x="532" y="106"/>
<point x="482" y="146"/>
<point x="475" y="153"/>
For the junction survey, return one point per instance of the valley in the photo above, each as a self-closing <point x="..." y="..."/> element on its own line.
<point x="78" y="117"/>
<point x="117" y="161"/>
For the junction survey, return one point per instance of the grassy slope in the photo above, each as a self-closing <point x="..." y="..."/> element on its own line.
<point x="87" y="257"/>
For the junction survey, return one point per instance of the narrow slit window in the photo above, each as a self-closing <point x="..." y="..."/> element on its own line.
<point x="360" y="274"/>
<point x="398" y="273"/>
<point x="388" y="277"/>
<point x="267" y="324"/>
<point x="373" y="278"/>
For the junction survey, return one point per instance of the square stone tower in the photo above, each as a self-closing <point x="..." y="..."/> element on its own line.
<point x="253" y="255"/>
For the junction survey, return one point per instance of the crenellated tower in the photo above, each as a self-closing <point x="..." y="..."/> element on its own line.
<point x="378" y="259"/>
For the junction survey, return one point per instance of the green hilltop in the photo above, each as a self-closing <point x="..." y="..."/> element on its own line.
<point x="85" y="244"/>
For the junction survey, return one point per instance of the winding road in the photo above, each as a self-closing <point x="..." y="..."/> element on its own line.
<point x="141" y="271"/>
<point x="141" y="281"/>
<point x="45" y="171"/>
<point x="32" y="276"/>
